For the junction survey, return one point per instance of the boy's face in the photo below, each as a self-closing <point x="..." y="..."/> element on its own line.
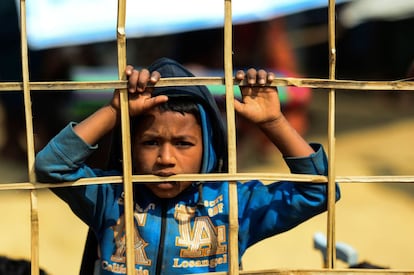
<point x="165" y="144"/>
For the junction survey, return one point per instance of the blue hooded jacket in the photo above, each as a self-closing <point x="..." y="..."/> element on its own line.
<point x="180" y="236"/>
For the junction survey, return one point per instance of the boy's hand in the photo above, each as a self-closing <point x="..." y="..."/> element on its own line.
<point x="259" y="104"/>
<point x="139" y="95"/>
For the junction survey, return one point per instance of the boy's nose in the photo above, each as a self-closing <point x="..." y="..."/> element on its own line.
<point x="166" y="155"/>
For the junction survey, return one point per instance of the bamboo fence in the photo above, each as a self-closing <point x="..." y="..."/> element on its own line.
<point x="331" y="85"/>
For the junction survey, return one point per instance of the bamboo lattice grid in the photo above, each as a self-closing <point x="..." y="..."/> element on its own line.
<point x="331" y="84"/>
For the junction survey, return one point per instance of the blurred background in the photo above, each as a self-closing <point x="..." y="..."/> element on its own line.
<point x="374" y="133"/>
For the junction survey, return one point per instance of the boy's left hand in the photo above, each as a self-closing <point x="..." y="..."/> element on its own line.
<point x="260" y="103"/>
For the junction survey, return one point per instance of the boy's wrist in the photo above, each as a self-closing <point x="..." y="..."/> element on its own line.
<point x="113" y="108"/>
<point x="273" y="124"/>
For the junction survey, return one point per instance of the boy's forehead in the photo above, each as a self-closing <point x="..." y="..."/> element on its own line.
<point x="169" y="125"/>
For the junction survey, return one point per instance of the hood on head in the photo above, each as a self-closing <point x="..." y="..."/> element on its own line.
<point x="214" y="134"/>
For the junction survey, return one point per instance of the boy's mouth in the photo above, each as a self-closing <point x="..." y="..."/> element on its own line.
<point x="164" y="174"/>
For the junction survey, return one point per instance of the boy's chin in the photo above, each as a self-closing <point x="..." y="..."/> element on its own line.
<point x="166" y="185"/>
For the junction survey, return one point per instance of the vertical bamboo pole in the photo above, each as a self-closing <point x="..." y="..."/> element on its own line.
<point x="34" y="220"/>
<point x="34" y="217"/>
<point x="126" y="141"/>
<point x="331" y="249"/>
<point x="228" y="75"/>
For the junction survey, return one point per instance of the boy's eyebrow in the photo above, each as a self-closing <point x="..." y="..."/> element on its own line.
<point x="185" y="137"/>
<point x="154" y="135"/>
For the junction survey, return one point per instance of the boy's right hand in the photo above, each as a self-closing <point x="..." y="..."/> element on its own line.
<point x="139" y="94"/>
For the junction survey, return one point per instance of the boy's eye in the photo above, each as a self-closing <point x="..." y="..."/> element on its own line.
<point x="150" y="142"/>
<point x="183" y="143"/>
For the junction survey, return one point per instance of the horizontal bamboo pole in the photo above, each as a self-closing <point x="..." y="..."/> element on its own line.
<point x="349" y="271"/>
<point x="269" y="177"/>
<point x="396" y="85"/>
<point x="375" y="179"/>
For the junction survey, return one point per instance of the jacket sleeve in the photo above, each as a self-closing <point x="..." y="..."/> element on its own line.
<point x="63" y="159"/>
<point x="267" y="210"/>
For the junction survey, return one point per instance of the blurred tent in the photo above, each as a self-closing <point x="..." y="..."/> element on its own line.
<point x="360" y="11"/>
<point x="73" y="22"/>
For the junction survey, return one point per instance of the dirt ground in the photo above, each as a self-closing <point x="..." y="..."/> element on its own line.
<point x="374" y="136"/>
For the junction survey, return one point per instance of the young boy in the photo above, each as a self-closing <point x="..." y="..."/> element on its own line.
<point x="182" y="227"/>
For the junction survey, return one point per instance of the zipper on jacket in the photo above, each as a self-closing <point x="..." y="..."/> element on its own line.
<point x="160" y="254"/>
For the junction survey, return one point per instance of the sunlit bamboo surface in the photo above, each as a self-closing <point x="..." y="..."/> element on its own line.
<point x="212" y="177"/>
<point x="330" y="259"/>
<point x="34" y="212"/>
<point x="316" y="83"/>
